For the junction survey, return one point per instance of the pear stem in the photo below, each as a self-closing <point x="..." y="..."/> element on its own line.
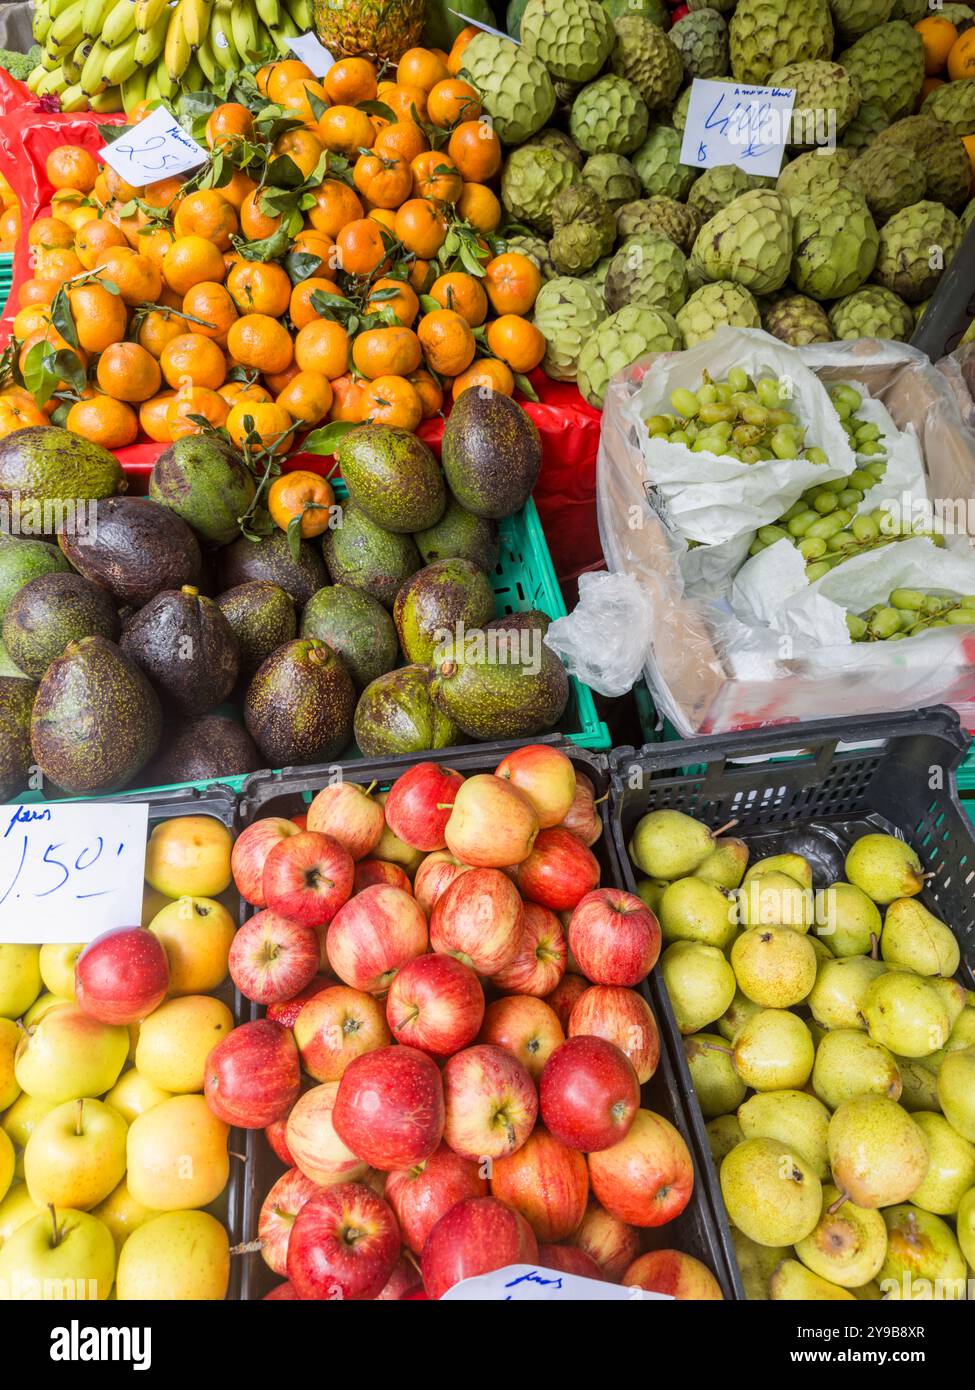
<point x="372" y="787"/>
<point x="445" y="805"/>
<point x="874" y="945"/>
<point x="730" y="825"/>
<point x="843" y="1197"/>
<point x="54" y="1223"/>
<point x="79" y="1123"/>
<point x="716" y="1047"/>
<point x="408" y="1254"/>
<point x="247" y="1247"/>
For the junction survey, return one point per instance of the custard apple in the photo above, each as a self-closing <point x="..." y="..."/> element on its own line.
<point x="888" y="62"/>
<point x="613" y="177"/>
<point x="797" y="320"/>
<point x="654" y="10"/>
<point x="911" y="10"/>
<point x="825" y="94"/>
<point x="619" y="341"/>
<point x="536" y="249"/>
<point x="872" y="312"/>
<point x="834" y="241"/>
<point x="939" y="154"/>
<point x="889" y="177"/>
<point x="609" y="116"/>
<point x="749" y="242"/>
<point x="953" y="103"/>
<point x="567" y="314"/>
<point x="515" y="87"/>
<point x="701" y="39"/>
<point x="915" y="246"/>
<point x="767" y="34"/>
<point x="572" y="38"/>
<point x="961" y="16"/>
<point x="968" y="216"/>
<point x="597" y="276"/>
<point x="866" y="125"/>
<point x="585" y="230"/>
<point x="715" y="306"/>
<point x="679" y="221"/>
<point x="798" y="179"/>
<point x="649" y="270"/>
<point x="554" y="139"/>
<point x="533" y="176"/>
<point x="721" y="185"/>
<point x="646" y="56"/>
<point x="657" y="162"/>
<point x="853" y="18"/>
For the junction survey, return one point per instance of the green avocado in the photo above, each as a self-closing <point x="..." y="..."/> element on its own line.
<point x="300" y="704"/>
<point x="262" y="618"/>
<point x="23" y="560"/>
<point x="270" y="559"/>
<point x="16" y="703"/>
<point x="460" y="535"/>
<point x="51" y="611"/>
<point x="361" y="554"/>
<point x="357" y="627"/>
<point x="439" y="603"/>
<point x="502" y="682"/>
<point x="393" y="476"/>
<point x="491" y="454"/>
<point x="396" y="715"/>
<point x="45" y="472"/>
<point x="204" y="480"/>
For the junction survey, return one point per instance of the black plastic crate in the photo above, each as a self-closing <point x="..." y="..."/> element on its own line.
<point x="904" y="785"/>
<point x="288" y="793"/>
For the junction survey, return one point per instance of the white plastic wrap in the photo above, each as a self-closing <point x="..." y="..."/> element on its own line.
<point x="602" y="640"/>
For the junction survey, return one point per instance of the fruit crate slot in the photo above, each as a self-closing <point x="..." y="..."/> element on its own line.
<point x="696" y="1230"/>
<point x="952" y="308"/>
<point x="816" y="807"/>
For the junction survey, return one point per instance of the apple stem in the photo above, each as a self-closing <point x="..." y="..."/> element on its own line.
<point x="247" y="1247"/>
<point x="600" y="799"/>
<point x="79" y="1124"/>
<point x="874" y="943"/>
<point x="54" y="1223"/>
<point x="234" y="1154"/>
<point x="843" y="1197"/>
<point x="408" y="1254"/>
<point x="729" y="825"/>
<point x="445" y="805"/>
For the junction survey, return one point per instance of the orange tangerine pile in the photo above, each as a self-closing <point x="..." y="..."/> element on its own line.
<point x="9" y="217"/>
<point x="949" y="56"/>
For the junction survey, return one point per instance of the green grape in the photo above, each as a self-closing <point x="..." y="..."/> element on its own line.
<point x="685" y="403"/>
<point x="865" y="529"/>
<point x="816" y="570"/>
<point x="843" y="540"/>
<point x="755" y="415"/>
<point x="960" y="615"/>
<point x="858" y="628"/>
<point x="757" y="547"/>
<point x="712" y="413"/>
<point x="826" y="502"/>
<point x="850" y="497"/>
<point x="867" y="432"/>
<point x="680" y="437"/>
<point x="796" y="509"/>
<point x="817" y="456"/>
<point x="771" y="534"/>
<point x="884" y="624"/>
<point x="827" y="526"/>
<point x="909" y="599"/>
<point x="812" y="547"/>
<point x="707" y="395"/>
<point x="800" y="524"/>
<point x="739" y="380"/>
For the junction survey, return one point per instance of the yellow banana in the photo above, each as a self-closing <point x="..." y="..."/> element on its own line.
<point x="74" y="99"/>
<point x="167" y="84"/>
<point x="206" y="60"/>
<point x="302" y="13"/>
<point x="121" y="62"/>
<point x="120" y="24"/>
<point x="148" y="46"/>
<point x="222" y="39"/>
<point x="176" y="51"/>
<point x="56" y="7"/>
<point x="269" y="11"/>
<point x="193" y="78"/>
<point x="148" y="13"/>
<point x="108" y="101"/>
<point x="92" y="74"/>
<point x="50" y="61"/>
<point x="283" y="33"/>
<point x="243" y="24"/>
<point x="35" y="78"/>
<point x="93" y="16"/>
<point x="134" y="88"/>
<point x="152" y="82"/>
<point x="67" y="29"/>
<point x="196" y="19"/>
<point x="41" y="23"/>
<point x="51" y="82"/>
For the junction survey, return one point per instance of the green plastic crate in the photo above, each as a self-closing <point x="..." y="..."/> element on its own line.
<point x="968" y="805"/>
<point x="966" y="774"/>
<point x="6" y="278"/>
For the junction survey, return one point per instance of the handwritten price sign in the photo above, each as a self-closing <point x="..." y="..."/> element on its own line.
<point x="730" y="123"/>
<point x="68" y="873"/>
<point x="153" y="149"/>
<point x="534" y="1284"/>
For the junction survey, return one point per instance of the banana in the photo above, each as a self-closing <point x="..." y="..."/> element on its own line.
<point x="94" y="14"/>
<point x="206" y="60"/>
<point x="41" y="26"/>
<point x="152" y="83"/>
<point x="120" y="24"/>
<point x="92" y="74"/>
<point x="148" y="13"/>
<point x="108" y="101"/>
<point x="67" y="29"/>
<point x="196" y="19"/>
<point x="193" y="78"/>
<point x="167" y="84"/>
<point x="50" y="61"/>
<point x="56" y="7"/>
<point x="243" y="24"/>
<point x="176" y="51"/>
<point x="148" y="46"/>
<point x="35" y="77"/>
<point x="302" y="12"/>
<point x="51" y="82"/>
<point x="134" y="88"/>
<point x="269" y="11"/>
<point x="74" y="61"/>
<point x="222" y="39"/>
<point x="74" y="99"/>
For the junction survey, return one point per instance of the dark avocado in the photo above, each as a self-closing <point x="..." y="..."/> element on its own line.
<point x="437" y="603"/>
<point x="204" y="480"/>
<point x="51" y="611"/>
<point x="42" y="467"/>
<point x="96" y="719"/>
<point x="460" y="535"/>
<point x="364" y="556"/>
<point x="357" y="627"/>
<point x="397" y="715"/>
<point x="502" y="683"/>
<point x="270" y="559"/>
<point x="22" y="561"/>
<point x="16" y="703"/>
<point x="532" y="618"/>
<point x="262" y="617"/>
<point x="197" y="750"/>
<point x="139" y="549"/>
<point x="393" y="476"/>
<point x="186" y="647"/>
<point x="491" y="454"/>
<point x="300" y="704"/>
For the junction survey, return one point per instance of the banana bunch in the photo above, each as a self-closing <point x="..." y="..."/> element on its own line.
<point x="108" y="55"/>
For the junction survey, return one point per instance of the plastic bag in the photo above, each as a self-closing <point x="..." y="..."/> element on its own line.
<point x="603" y="641"/>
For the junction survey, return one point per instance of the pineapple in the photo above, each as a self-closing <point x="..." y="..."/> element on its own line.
<point x="374" y="28"/>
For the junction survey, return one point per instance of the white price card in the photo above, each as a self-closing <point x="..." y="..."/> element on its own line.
<point x="733" y="123"/>
<point x="153" y="149"/>
<point x="71" y="871"/>
<point x="533" y="1284"/>
<point x="314" y="54"/>
<point x="498" y="33"/>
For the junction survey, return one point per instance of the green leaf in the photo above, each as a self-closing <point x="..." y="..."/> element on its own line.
<point x="294" y="538"/>
<point x="428" y="304"/>
<point x="378" y="108"/>
<point x="194" y="109"/>
<point x="110" y="133"/>
<point x="318" y="107"/>
<point x="283" y="172"/>
<point x="63" y="319"/>
<point x="39" y="377"/>
<point x="327" y="439"/>
<point x="525" y="386"/>
<point x="267" y="248"/>
<point x="300" y="265"/>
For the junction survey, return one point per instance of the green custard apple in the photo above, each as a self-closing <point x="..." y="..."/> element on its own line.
<point x="715" y="306"/>
<point x="567" y="313"/>
<point x="573" y="38"/>
<point x="767" y="34"/>
<point x="619" y="341"/>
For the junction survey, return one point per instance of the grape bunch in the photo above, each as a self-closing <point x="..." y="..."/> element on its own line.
<point x="865" y="438"/>
<point x="908" y="612"/>
<point x="737" y="418"/>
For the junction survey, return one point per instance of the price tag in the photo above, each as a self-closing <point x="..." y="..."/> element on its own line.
<point x="535" y="1284"/>
<point x="153" y="149"/>
<point x="311" y="52"/>
<point x="69" y="872"/>
<point x="498" y="33"/>
<point x="731" y="123"/>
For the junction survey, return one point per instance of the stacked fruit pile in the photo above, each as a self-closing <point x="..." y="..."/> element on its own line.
<point x="855" y="1150"/>
<point x="9" y="217"/>
<point x="108" y="1150"/>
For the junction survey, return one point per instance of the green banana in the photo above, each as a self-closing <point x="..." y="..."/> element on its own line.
<point x="302" y="12"/>
<point x="74" y="99"/>
<point x="193" y="79"/>
<point x="134" y="88"/>
<point x="167" y="84"/>
<point x="92" y="74"/>
<point x="121" y="62"/>
<point x="176" y="51"/>
<point x="148" y="46"/>
<point x="148" y="13"/>
<point x="35" y="78"/>
<point x="51" y="82"/>
<point x="50" y="61"/>
<point x="120" y="24"/>
<point x="152" y="82"/>
<point x="108" y="101"/>
<point x="41" y="23"/>
<point x="269" y="11"/>
<point x="75" y="61"/>
<point x="283" y="33"/>
<point x="206" y="60"/>
<point x="222" y="39"/>
<point x="243" y="25"/>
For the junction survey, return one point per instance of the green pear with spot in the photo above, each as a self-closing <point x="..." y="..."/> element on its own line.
<point x="951" y="1166"/>
<point x="756" y="1264"/>
<point x="877" y="1154"/>
<point x="956" y="1091"/>
<point x="774" y="966"/>
<point x="847" y="920"/>
<point x="849" y="1243"/>
<point x="737" y="1014"/>
<point x="726" y="864"/>
<point x="923" y="1260"/>
<point x="836" y="1000"/>
<point x="718" y="1086"/>
<point x="774" y="1051"/>
<point x="915" y="938"/>
<point x="792" y="1282"/>
<point x="670" y="844"/>
<point x="905" y="1014"/>
<point x="849" y="1064"/>
<point x="794" y="865"/>
<point x="884" y="868"/>
<point x="723" y="1132"/>
<point x="792" y="1117"/>
<point x="771" y="1193"/>
<point x="699" y="982"/>
<point x="693" y="910"/>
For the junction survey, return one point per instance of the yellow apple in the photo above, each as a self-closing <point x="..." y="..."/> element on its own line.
<point x="134" y="1030"/>
<point x="189" y="855"/>
<point x="180" y="1255"/>
<point x="42" y="1005"/>
<point x="76" y="1155"/>
<point x="20" y="978"/>
<point x="58" y="1255"/>
<point x="10" y="1036"/>
<point x="19" y="1121"/>
<point x="133" y="1094"/>
<point x="57" y="961"/>
<point x="16" y="1209"/>
<point x="69" y="1055"/>
<point x="122" y="1214"/>
<point x="152" y="902"/>
<point x="176" y="1038"/>
<point x="177" y="1155"/>
<point x="7" y="1162"/>
<point x="196" y="934"/>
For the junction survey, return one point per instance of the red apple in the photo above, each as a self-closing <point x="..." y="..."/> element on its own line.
<point x="344" y="1244"/>
<point x="547" y="778"/>
<point x="565" y="995"/>
<point x="559" y="871"/>
<point x="308" y="877"/>
<point x="474" y="1237"/>
<point x="422" y="1194"/>
<point x="492" y="824"/>
<point x="287" y="1010"/>
<point x="582" y="818"/>
<point x="540" y="962"/>
<point x="337" y="1026"/>
<point x="610" y="1242"/>
<point x="648" y="1177"/>
<point x="419" y="804"/>
<point x="435" y="1003"/>
<point x="491" y="1104"/>
<point x="276" y="1135"/>
<point x="250" y="853"/>
<point x="615" y="937"/>
<point x="390" y="1107"/>
<point x="524" y="1026"/>
<point x="569" y="1260"/>
<point x="252" y="1077"/>
<point x="479" y="919"/>
<point x="405" y="1279"/>
<point x="278" y="1211"/>
<point x="588" y="1094"/>
<point x="349" y="814"/>
<point x="546" y="1181"/>
<point x="434" y="876"/>
<point x="285" y="1290"/>
<point x="672" y="1272"/>
<point x="122" y="975"/>
<point x="313" y="1143"/>
<point x="373" y="935"/>
<point x="300" y="820"/>
<point x="271" y="958"/>
<point x="370" y="871"/>
<point x="623" y="1017"/>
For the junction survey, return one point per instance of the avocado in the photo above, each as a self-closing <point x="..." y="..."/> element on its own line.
<point x="502" y="683"/>
<point x="393" y="476"/>
<point x="186" y="647"/>
<point x="51" y="611"/>
<point x="437" y="605"/>
<point x="460" y="535"/>
<point x="397" y="715"/>
<point x="7" y="667"/>
<point x="361" y="554"/>
<point x="491" y="454"/>
<point x="357" y="627"/>
<point x="46" y="471"/>
<point x="16" y="703"/>
<point x="270" y="559"/>
<point x="531" y="619"/>
<point x="262" y="617"/>
<point x="211" y="745"/>
<point x="22" y="561"/>
<point x="96" y="719"/>
<point x="300" y="704"/>
<point x="204" y="480"/>
<point x="140" y="548"/>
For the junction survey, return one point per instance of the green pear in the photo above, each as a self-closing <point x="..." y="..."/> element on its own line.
<point x="726" y="864"/>
<point x="770" y="1192"/>
<point x="848" y="1245"/>
<point x="774" y="1051"/>
<point x="951" y="1166"/>
<point x="775" y="900"/>
<point x="919" y="1085"/>
<point x="756" y="1264"/>
<point x="180" y="1254"/>
<point x="736" y="1015"/>
<point x="964" y="1226"/>
<point x="956" y="1091"/>
<point x="822" y="950"/>
<point x="953" y="996"/>
<point x="915" y="938"/>
<point x="905" y="1014"/>
<point x="794" y="1118"/>
<point x="669" y="844"/>
<point x="850" y="1064"/>
<point x="692" y="910"/>
<point x="869" y="1293"/>
<point x="923" y="1257"/>
<point x="847" y="920"/>
<point x="962" y="1035"/>
<point x="794" y="865"/>
<point x="836" y="999"/>
<point x="794" y="1283"/>
<point x="884" y="868"/>
<point x="724" y="1132"/>
<point x="59" y="1254"/>
<point x="774" y="966"/>
<point x="699" y="981"/>
<point x="651" y="890"/>
<point x="718" y="1086"/>
<point x="816" y="1031"/>
<point x="876" y="1151"/>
